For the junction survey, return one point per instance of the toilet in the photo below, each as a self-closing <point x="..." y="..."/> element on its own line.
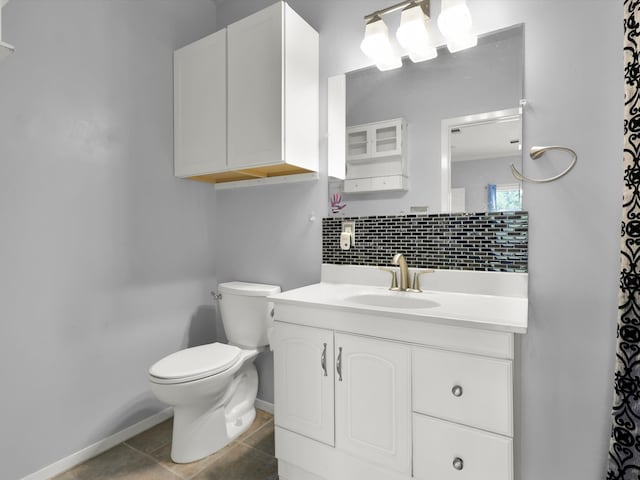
<point x="213" y="387"/>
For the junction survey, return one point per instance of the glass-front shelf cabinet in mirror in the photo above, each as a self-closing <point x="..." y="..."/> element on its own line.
<point x="458" y="129"/>
<point x="375" y="158"/>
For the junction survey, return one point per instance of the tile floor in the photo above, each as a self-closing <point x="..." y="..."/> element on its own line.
<point x="146" y="457"/>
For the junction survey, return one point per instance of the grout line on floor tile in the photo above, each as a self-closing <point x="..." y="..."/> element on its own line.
<point x="265" y="454"/>
<point x="150" y="452"/>
<point x="204" y="466"/>
<point x="231" y="444"/>
<point x="155" y="460"/>
<point x="254" y="433"/>
<point x="260" y="452"/>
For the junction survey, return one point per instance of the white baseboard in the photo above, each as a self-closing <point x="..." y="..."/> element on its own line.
<point x="100" y="446"/>
<point x="266" y="406"/>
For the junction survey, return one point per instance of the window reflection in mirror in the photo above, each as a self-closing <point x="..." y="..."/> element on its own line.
<point x="481" y="149"/>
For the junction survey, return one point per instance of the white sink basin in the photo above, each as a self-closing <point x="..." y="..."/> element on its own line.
<point x="392" y="300"/>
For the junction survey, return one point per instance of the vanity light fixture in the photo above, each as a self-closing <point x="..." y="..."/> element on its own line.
<point x="414" y="33"/>
<point x="5" y="48"/>
<point x="454" y="22"/>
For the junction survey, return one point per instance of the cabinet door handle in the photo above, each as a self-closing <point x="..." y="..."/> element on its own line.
<point x="323" y="360"/>
<point x="457" y="391"/>
<point x="339" y="364"/>
<point x="458" y="463"/>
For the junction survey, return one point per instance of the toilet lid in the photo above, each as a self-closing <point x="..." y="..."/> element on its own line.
<point x="196" y="362"/>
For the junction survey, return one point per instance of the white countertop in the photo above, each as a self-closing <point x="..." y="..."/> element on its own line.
<point x="489" y="312"/>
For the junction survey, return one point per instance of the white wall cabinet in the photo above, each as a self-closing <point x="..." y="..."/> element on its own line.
<point x="254" y="110"/>
<point x="410" y="406"/>
<point x="200" y="106"/>
<point x="375" y="157"/>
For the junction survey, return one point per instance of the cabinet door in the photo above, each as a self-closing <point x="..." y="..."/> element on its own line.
<point x="200" y="106"/>
<point x="303" y="374"/>
<point x="386" y="139"/>
<point x="358" y="143"/>
<point x="373" y="410"/>
<point x="255" y="62"/>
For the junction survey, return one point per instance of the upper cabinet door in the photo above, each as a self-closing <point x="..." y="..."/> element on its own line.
<point x="373" y="404"/>
<point x="200" y="106"/>
<point x="386" y="138"/>
<point x="303" y="359"/>
<point x="358" y="143"/>
<point x="255" y="93"/>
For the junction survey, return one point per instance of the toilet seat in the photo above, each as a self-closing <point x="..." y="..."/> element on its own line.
<point x="195" y="363"/>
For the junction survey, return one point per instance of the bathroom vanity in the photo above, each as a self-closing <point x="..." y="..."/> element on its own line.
<point x="376" y="384"/>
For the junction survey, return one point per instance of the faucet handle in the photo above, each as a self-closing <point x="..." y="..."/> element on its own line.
<point x="394" y="277"/>
<point x="415" y="285"/>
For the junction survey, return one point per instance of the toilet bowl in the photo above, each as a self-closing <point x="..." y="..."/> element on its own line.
<point x="213" y="387"/>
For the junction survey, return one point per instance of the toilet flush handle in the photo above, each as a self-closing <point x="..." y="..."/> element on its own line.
<point x="271" y="310"/>
<point x="217" y="296"/>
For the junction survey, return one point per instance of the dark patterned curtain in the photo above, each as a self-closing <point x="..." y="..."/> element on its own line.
<point x="624" y="450"/>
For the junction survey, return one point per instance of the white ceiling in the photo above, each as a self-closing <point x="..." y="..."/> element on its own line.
<point x="486" y="140"/>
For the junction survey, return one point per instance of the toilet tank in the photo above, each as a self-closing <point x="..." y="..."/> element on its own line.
<point x="245" y="312"/>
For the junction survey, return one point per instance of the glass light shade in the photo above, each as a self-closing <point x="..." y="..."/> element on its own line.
<point x="454" y="22"/>
<point x="389" y="64"/>
<point x="377" y="46"/>
<point x="462" y="42"/>
<point x="454" y="17"/>
<point x="413" y="35"/>
<point x="376" y="43"/>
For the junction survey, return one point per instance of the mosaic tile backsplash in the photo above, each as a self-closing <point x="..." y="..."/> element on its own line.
<point x="481" y="241"/>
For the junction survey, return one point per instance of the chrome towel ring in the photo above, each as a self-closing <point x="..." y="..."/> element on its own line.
<point x="537" y="152"/>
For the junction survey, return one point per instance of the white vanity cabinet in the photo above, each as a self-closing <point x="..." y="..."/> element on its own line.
<point x="373" y="400"/>
<point x="385" y="397"/>
<point x="370" y="378"/>
<point x="463" y="415"/>
<point x="375" y="157"/>
<point x="449" y="451"/>
<point x="304" y="383"/>
<point x="246" y="100"/>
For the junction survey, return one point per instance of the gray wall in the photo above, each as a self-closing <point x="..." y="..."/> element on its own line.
<point x="105" y="256"/>
<point x="574" y="83"/>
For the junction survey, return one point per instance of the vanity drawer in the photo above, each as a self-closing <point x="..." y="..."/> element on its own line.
<point x="375" y="184"/>
<point x="444" y="450"/>
<point x="468" y="389"/>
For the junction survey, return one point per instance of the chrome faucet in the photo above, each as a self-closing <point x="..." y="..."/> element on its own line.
<point x="398" y="259"/>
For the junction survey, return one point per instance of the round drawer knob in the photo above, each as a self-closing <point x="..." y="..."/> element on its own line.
<point x="457" y="391"/>
<point x="458" y="463"/>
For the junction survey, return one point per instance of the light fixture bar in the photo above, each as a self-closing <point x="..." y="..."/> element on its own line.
<point x="5" y="48"/>
<point x="424" y="4"/>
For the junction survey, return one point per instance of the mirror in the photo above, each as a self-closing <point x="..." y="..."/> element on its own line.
<point x="477" y="154"/>
<point x="416" y="136"/>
